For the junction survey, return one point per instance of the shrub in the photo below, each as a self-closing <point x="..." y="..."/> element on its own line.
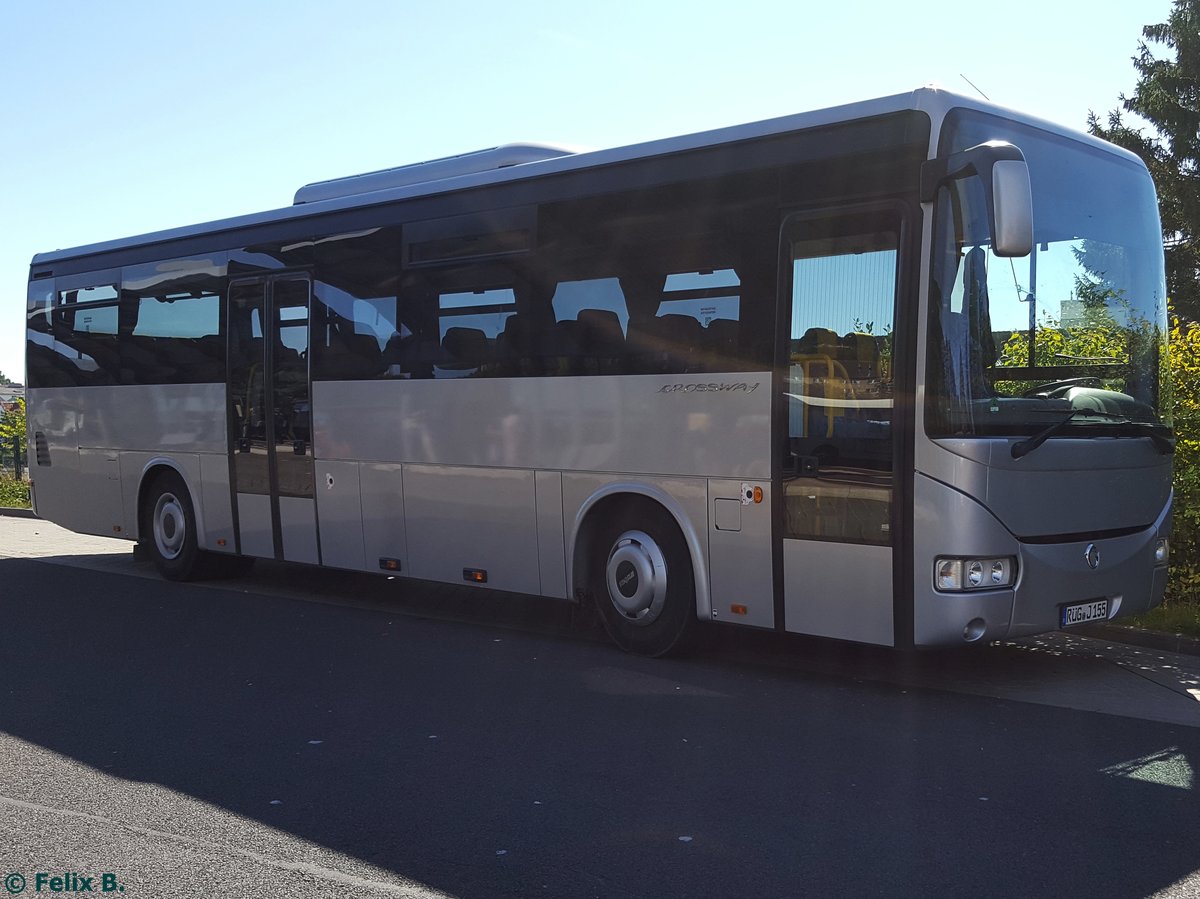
<point x="1184" y="584"/>
<point x="13" y="493"/>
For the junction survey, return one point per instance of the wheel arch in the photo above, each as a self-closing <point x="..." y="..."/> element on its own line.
<point x="611" y="497"/>
<point x="151" y="470"/>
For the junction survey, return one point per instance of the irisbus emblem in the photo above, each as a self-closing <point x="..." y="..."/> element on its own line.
<point x="1092" y="555"/>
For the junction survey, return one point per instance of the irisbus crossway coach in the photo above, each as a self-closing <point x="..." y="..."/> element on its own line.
<point x="892" y="372"/>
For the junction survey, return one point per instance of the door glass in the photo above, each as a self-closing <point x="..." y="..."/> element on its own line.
<point x="839" y="385"/>
<point x="247" y="387"/>
<point x="292" y="417"/>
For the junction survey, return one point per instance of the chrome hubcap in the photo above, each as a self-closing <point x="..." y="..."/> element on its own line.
<point x="170" y="526"/>
<point x="636" y="575"/>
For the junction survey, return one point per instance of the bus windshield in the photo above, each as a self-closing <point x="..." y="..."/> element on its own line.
<point x="1077" y="327"/>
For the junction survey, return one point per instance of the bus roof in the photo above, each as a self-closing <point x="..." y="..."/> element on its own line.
<point x="521" y="161"/>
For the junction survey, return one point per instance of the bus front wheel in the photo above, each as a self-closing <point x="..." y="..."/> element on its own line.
<point x="642" y="581"/>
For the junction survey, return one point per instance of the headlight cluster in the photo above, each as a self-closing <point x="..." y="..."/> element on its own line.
<point x="957" y="575"/>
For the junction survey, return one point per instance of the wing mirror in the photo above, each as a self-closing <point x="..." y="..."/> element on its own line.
<point x="1001" y="169"/>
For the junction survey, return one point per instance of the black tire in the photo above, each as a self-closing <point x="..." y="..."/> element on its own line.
<point x="169" y="536"/>
<point x="169" y="529"/>
<point x="642" y="581"/>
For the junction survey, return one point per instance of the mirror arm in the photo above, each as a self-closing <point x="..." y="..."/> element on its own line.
<point x="977" y="160"/>
<point x="936" y="172"/>
<point x="988" y="161"/>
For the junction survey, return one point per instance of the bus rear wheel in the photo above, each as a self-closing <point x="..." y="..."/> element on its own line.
<point x="169" y="533"/>
<point x="169" y="528"/>
<point x="642" y="581"/>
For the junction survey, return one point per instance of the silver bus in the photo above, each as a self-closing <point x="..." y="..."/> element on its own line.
<point x="892" y="372"/>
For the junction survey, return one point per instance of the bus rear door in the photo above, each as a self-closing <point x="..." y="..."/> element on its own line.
<point x="270" y="421"/>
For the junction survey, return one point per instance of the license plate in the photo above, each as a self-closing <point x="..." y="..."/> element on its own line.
<point x="1083" y="612"/>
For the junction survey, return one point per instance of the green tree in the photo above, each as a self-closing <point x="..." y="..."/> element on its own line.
<point x="1167" y="97"/>
<point x="1184" y="345"/>
<point x="4" y="380"/>
<point x="12" y="421"/>
<point x="12" y="430"/>
<point x="13" y="492"/>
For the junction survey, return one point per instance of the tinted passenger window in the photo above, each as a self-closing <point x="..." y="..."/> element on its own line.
<point x="466" y="318"/>
<point x="74" y="342"/>
<point x="358" y="327"/>
<point x="47" y="364"/>
<point x="600" y="291"/>
<point x="91" y="310"/>
<point x="171" y="322"/>
<point x="656" y="287"/>
<point x="604" y="294"/>
<point x="705" y="296"/>
<point x="482" y="309"/>
<point x="188" y="315"/>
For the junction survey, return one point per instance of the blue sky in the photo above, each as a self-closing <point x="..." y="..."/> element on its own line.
<point x="128" y="117"/>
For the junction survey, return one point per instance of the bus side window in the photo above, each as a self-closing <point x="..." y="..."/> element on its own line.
<point x="357" y="322"/>
<point x="175" y="338"/>
<point x="85" y="336"/>
<point x="591" y="321"/>
<point x="694" y="326"/>
<point x="346" y="353"/>
<point x="171" y="328"/>
<point x="469" y="323"/>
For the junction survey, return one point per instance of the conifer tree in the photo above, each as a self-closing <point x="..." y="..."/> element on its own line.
<point x="1167" y="98"/>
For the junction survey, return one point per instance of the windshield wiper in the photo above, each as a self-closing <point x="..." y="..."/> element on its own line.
<point x="1162" y="443"/>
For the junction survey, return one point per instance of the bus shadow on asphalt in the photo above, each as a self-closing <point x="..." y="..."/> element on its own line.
<point x="1067" y="669"/>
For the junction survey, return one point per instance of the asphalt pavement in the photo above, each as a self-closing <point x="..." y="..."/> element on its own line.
<point x="316" y="733"/>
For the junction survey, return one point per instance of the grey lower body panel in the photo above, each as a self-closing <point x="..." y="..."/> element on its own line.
<point x="839" y="590"/>
<point x="1058" y="574"/>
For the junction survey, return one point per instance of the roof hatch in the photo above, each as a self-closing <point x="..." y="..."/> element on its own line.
<point x="433" y="170"/>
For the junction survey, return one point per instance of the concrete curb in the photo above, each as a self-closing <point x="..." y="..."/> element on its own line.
<point x="16" y="513"/>
<point x="1133" y="636"/>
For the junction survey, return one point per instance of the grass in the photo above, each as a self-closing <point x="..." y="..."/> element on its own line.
<point x="1172" y="617"/>
<point x="13" y="493"/>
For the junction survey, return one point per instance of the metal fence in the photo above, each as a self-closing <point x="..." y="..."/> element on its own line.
<point x="13" y="457"/>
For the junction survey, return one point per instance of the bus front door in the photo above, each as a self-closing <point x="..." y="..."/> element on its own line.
<point x="270" y="425"/>
<point x="837" y="478"/>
